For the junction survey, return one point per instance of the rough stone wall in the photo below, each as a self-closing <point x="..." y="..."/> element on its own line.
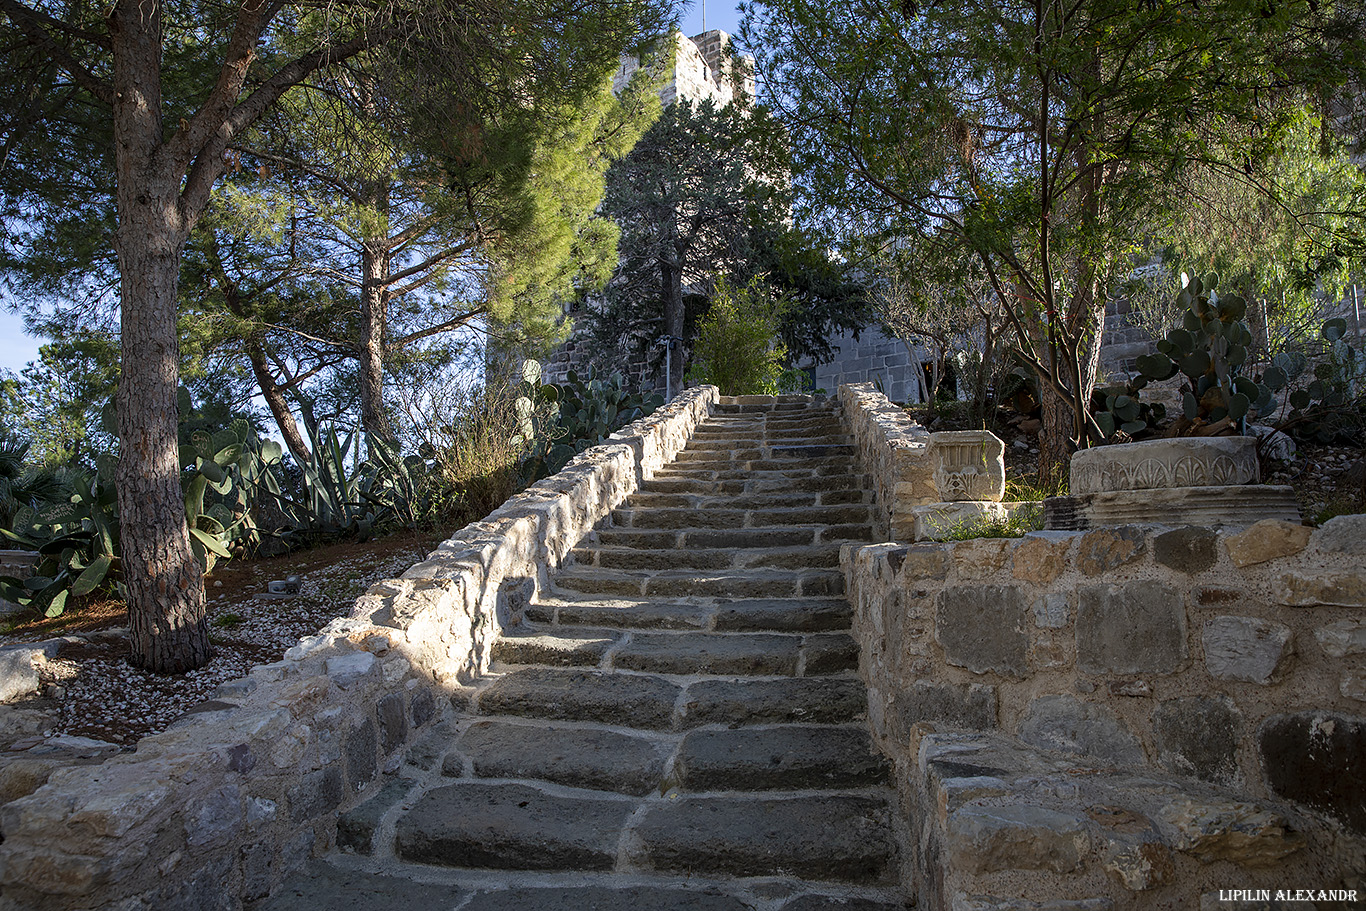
<point x="1227" y="670"/>
<point x="219" y="807"/>
<point x="895" y="450"/>
<point x="873" y="358"/>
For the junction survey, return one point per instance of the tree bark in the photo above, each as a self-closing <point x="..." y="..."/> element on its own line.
<point x="275" y="401"/>
<point x="374" y="313"/>
<point x="671" y="289"/>
<point x="162" y="579"/>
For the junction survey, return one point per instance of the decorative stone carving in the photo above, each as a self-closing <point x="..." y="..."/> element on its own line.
<point x="1182" y="462"/>
<point x="968" y="465"/>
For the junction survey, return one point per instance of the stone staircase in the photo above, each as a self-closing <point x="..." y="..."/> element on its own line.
<point x="677" y="727"/>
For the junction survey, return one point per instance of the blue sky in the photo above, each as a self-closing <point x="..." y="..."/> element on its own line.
<point x="17" y="348"/>
<point x="721" y="14"/>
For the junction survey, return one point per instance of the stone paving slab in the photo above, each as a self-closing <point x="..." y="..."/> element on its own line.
<point x="580" y="695"/>
<point x="511" y="827"/>
<point x="840" y="838"/>
<point x="761" y="759"/>
<point x="815" y="700"/>
<point x="710" y="653"/>
<point x="623" y="614"/>
<point x="832" y="653"/>
<point x="598" y="898"/>
<point x="563" y="648"/>
<point x="785" y="615"/>
<point x="321" y="887"/>
<point x="575" y="757"/>
<point x="840" y="903"/>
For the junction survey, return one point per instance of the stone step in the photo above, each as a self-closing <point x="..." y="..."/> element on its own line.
<point x="765" y="583"/>
<point x="647" y="702"/>
<point x="825" y="837"/>
<point x="792" y="615"/>
<point x="685" y="485"/>
<point x="766" y="471"/>
<point x="510" y="826"/>
<point x="341" y="883"/>
<point x="632" y="517"/>
<point x="774" y="536"/>
<point x="788" y="757"/>
<point x="624" y="613"/>
<point x="732" y="654"/>
<point x="777" y="453"/>
<point x="630" y="700"/>
<point x="567" y="648"/>
<point x="824" y="556"/>
<point x="780" y="499"/>
<point x="727" y="440"/>
<point x="766" y="408"/>
<point x="576" y="757"/>
<point x="789" y="700"/>
<point x="736" y="501"/>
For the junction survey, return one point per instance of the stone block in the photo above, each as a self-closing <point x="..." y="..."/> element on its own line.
<point x="1134" y="628"/>
<point x="1247" y="649"/>
<point x="1190" y="549"/>
<point x="1266" y="540"/>
<point x="356" y="827"/>
<point x="1041" y="557"/>
<point x="361" y="762"/>
<point x="1178" y="462"/>
<point x="1309" y="589"/>
<point x="982" y="628"/>
<point x="19" y="672"/>
<point x="393" y="722"/>
<point x="1066" y="723"/>
<point x="1342" y="638"/>
<point x="936" y="521"/>
<point x="213" y="819"/>
<point x="970" y="706"/>
<point x="962" y="902"/>
<point x="1342" y="535"/>
<point x="920" y="562"/>
<point x="317" y="793"/>
<point x="1198" y="735"/>
<point x="1242" y="833"/>
<point x="1353" y="686"/>
<point x="968" y="465"/>
<point x="1052" y="610"/>
<point x="1316" y="758"/>
<point x="1021" y="837"/>
<point x="979" y="557"/>
<point x="1138" y="862"/>
<point x="1104" y="549"/>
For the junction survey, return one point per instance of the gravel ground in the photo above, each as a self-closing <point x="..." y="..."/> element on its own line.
<point x="97" y="694"/>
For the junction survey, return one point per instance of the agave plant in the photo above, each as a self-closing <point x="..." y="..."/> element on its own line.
<point x="77" y="541"/>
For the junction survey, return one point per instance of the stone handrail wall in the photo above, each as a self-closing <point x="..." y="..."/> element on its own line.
<point x="1230" y="660"/>
<point x="895" y="450"/>
<point x="216" y="809"/>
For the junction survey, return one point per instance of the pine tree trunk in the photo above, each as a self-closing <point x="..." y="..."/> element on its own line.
<point x="275" y="401"/>
<point x="373" y="316"/>
<point x="163" y="580"/>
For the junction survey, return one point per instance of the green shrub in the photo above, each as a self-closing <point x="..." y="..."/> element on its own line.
<point x="737" y="348"/>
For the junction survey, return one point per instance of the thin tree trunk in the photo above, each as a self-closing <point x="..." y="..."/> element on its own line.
<point x="163" y="580"/>
<point x="275" y="401"/>
<point x="672" y="290"/>
<point x="373" y="316"/>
